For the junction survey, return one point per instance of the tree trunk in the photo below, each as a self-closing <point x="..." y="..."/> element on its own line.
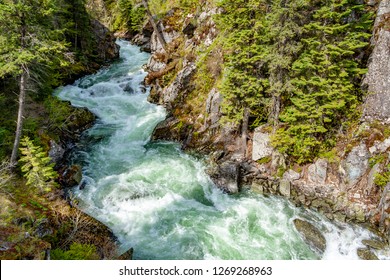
<point x="155" y="28"/>
<point x="244" y="132"/>
<point x="19" y="125"/>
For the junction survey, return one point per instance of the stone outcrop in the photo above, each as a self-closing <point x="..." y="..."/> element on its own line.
<point x="106" y="48"/>
<point x="377" y="80"/>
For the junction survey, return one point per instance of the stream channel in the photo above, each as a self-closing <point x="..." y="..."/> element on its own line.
<point x="159" y="200"/>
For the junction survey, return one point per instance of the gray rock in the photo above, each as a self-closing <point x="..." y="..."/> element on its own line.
<point x="226" y="176"/>
<point x="106" y="47"/>
<point x="375" y="244"/>
<point x="291" y="175"/>
<point x="311" y="235"/>
<point x="366" y="254"/>
<point x="213" y="105"/>
<point x="128" y="88"/>
<point x="181" y="83"/>
<point x="261" y="145"/>
<point x="285" y="188"/>
<point x="380" y="147"/>
<point x="356" y="163"/>
<point x="317" y="172"/>
<point x="258" y="187"/>
<point x="377" y="80"/>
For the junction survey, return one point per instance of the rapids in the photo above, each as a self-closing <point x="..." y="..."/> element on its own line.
<point x="159" y="200"/>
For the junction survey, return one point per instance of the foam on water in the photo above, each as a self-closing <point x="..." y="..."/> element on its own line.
<point x="160" y="201"/>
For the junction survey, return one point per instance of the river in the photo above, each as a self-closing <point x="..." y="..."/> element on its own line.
<point x="159" y="200"/>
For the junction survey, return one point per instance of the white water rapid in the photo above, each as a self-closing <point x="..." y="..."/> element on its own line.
<point x="159" y="200"/>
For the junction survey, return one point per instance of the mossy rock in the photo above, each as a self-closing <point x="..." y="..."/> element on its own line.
<point x="366" y="254"/>
<point x="311" y="235"/>
<point x="375" y="244"/>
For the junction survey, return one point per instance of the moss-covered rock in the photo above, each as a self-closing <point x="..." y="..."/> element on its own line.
<point x="311" y="235"/>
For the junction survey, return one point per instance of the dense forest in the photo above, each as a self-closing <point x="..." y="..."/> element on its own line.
<point x="292" y="68"/>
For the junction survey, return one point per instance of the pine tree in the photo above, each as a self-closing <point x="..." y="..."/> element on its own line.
<point x="37" y="168"/>
<point x="29" y="40"/>
<point x="325" y="89"/>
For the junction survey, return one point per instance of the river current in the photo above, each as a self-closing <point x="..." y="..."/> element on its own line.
<point x="159" y="200"/>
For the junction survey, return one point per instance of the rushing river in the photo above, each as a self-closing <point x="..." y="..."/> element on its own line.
<point x="159" y="200"/>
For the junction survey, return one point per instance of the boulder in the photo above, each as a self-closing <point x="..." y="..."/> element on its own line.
<point x="375" y="244"/>
<point x="226" y="176"/>
<point x="291" y="175"/>
<point x="317" y="172"/>
<point x="356" y="163"/>
<point x="311" y="235"/>
<point x="285" y="188"/>
<point x="366" y="254"/>
<point x="71" y="177"/>
<point x="106" y="48"/>
<point x="261" y="145"/>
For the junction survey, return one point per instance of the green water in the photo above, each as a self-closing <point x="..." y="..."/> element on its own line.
<point x="159" y="200"/>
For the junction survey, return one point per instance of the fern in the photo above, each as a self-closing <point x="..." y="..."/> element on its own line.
<point x="37" y="168"/>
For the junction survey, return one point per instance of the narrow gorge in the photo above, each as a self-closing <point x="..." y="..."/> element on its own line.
<point x="160" y="201"/>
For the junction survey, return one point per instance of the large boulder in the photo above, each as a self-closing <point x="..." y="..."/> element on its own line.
<point x="261" y="144"/>
<point x="226" y="176"/>
<point x="311" y="235"/>
<point x="356" y="163"/>
<point x="366" y="254"/>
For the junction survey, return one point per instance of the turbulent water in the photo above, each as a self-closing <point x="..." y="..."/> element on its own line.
<point x="159" y="200"/>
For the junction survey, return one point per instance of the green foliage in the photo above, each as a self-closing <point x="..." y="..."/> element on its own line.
<point x="382" y="179"/>
<point x="76" y="251"/>
<point x="37" y="168"/>
<point x="296" y="65"/>
<point x="128" y="16"/>
<point x="325" y="79"/>
<point x="27" y="38"/>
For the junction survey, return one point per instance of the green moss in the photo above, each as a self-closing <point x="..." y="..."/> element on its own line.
<point x="264" y="160"/>
<point x="76" y="251"/>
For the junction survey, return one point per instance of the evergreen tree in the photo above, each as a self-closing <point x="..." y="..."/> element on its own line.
<point x="29" y="40"/>
<point x="325" y="79"/>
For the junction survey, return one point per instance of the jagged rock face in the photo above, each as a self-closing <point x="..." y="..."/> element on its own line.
<point x="179" y="85"/>
<point x="106" y="47"/>
<point x="377" y="80"/>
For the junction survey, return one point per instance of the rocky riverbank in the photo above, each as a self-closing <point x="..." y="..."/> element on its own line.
<point x="345" y="186"/>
